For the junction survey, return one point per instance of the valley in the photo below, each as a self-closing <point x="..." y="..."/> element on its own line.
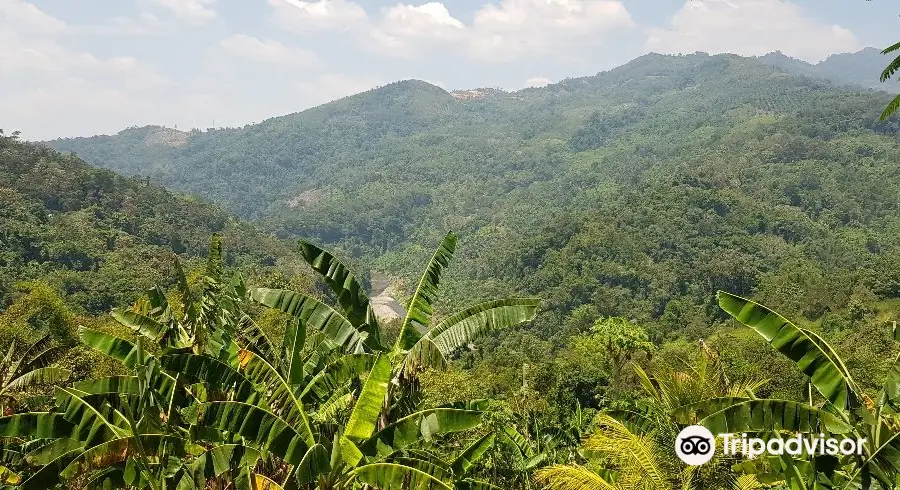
<point x="411" y="288"/>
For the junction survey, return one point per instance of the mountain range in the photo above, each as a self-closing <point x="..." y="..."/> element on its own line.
<point x="639" y="190"/>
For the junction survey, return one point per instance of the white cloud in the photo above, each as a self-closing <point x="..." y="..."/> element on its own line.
<point x="27" y="17"/>
<point x="306" y="17"/>
<point x="537" y="82"/>
<point x="750" y="27"/>
<point x="267" y="51"/>
<point x="145" y="24"/>
<point x="420" y="20"/>
<point x="406" y="30"/>
<point x="514" y="29"/>
<point x="509" y="30"/>
<point x="190" y="10"/>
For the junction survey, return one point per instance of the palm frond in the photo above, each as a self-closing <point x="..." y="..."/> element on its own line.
<point x="571" y="477"/>
<point x="635" y="455"/>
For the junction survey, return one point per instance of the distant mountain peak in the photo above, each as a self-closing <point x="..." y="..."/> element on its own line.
<point x="158" y="135"/>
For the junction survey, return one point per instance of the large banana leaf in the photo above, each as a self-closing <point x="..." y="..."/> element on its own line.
<point x="36" y="377"/>
<point x="43" y="425"/>
<point x="253" y="338"/>
<point x="261" y="428"/>
<point x="315" y="462"/>
<point x="350" y="294"/>
<point x="294" y="341"/>
<point x="882" y="462"/>
<point x="890" y="392"/>
<point x="774" y="415"/>
<point x="811" y="354"/>
<point x="217" y="374"/>
<point x="84" y="415"/>
<point x="339" y="401"/>
<point x="424" y="425"/>
<point x="141" y="324"/>
<point x="337" y="374"/>
<point x="119" y="450"/>
<point x="472" y="454"/>
<point x="692" y="412"/>
<point x="11" y="366"/>
<point x="119" y="349"/>
<point x="467" y="325"/>
<point x="39" y="354"/>
<point x="164" y="384"/>
<point x="478" y="320"/>
<point x="262" y="482"/>
<point x="184" y="290"/>
<point x="421" y="305"/>
<point x="47" y="453"/>
<point x="390" y="476"/>
<point x="430" y="466"/>
<point x="214" y="262"/>
<point x="279" y="395"/>
<point x="112" y="384"/>
<point x="313" y="312"/>
<point x="371" y="399"/>
<point x="48" y="476"/>
<point x="215" y="462"/>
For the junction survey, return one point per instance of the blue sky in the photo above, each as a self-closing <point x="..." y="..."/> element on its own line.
<point x="83" y="67"/>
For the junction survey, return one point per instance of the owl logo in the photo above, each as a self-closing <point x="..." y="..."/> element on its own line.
<point x="695" y="445"/>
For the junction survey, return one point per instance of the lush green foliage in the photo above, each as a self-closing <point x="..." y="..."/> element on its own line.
<point x="623" y="201"/>
<point x="207" y="398"/>
<point x="102" y="240"/>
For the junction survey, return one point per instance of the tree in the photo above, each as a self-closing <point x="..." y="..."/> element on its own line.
<point x="631" y="449"/>
<point x="622" y="340"/>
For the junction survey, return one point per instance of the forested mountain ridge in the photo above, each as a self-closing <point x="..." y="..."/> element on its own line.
<point x="292" y="159"/>
<point x="638" y="191"/>
<point x="861" y="68"/>
<point x="101" y="240"/>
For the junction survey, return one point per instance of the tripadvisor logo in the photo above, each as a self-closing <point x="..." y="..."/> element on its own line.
<point x="696" y="445"/>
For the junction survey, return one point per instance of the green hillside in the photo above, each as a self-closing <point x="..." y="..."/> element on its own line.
<point x="101" y="240"/>
<point x="596" y="301"/>
<point x="639" y="191"/>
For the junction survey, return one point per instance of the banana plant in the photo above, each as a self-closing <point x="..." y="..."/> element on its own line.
<point x="397" y="456"/>
<point x="210" y="312"/>
<point x="845" y="410"/>
<point x="419" y="345"/>
<point x="31" y="368"/>
<point x="313" y="408"/>
<point x="128" y="430"/>
<point x="99" y="427"/>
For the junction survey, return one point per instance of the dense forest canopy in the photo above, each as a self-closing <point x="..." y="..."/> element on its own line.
<point x="101" y="239"/>
<point x="638" y="191"/>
